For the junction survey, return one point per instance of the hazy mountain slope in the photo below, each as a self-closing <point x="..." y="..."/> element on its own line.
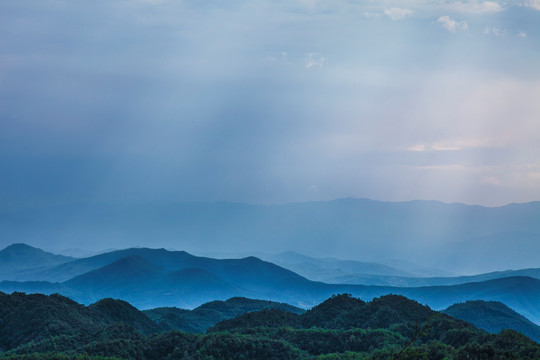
<point x="208" y="314"/>
<point x="328" y="269"/>
<point x="347" y="228"/>
<point x="145" y="278"/>
<point x="493" y="316"/>
<point x="19" y="259"/>
<point x="144" y="284"/>
<point x="77" y="267"/>
<point x="430" y="281"/>
<point x="125" y="272"/>
<point x="245" y="272"/>
<point x="522" y="294"/>
<point x="514" y="249"/>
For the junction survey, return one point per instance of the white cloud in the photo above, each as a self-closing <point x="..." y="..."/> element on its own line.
<point x="397" y="13"/>
<point x="417" y="148"/>
<point x="371" y="15"/>
<point x="522" y="34"/>
<point x="315" y="59"/>
<point x="534" y="4"/>
<point x="451" y="24"/>
<point x="495" y="31"/>
<point x="475" y="7"/>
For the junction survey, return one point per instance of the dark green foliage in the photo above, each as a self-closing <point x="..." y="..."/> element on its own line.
<point x="173" y="318"/>
<point x="338" y="312"/>
<point x="207" y="315"/>
<point x="388" y="328"/>
<point x="235" y="346"/>
<point x="493" y="316"/>
<point x="119" y="311"/>
<point x="36" y="317"/>
<point x="52" y="356"/>
<point x="273" y="318"/>
<point x="346" y="312"/>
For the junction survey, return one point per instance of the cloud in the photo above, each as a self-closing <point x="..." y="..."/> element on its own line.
<point x="315" y="59"/>
<point x="522" y="34"/>
<point x="450" y="167"/>
<point x="371" y="15"/>
<point x="451" y="145"/>
<point x="475" y="7"/>
<point x="397" y="13"/>
<point x="417" y="148"/>
<point x="193" y="110"/>
<point x="495" y="31"/>
<point x="534" y="4"/>
<point x="491" y="180"/>
<point x="452" y="25"/>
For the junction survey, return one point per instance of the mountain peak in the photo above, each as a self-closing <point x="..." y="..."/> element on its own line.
<point x="20" y="247"/>
<point x="23" y="256"/>
<point x="126" y="269"/>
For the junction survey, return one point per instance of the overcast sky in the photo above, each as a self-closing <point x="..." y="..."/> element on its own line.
<point x="266" y="101"/>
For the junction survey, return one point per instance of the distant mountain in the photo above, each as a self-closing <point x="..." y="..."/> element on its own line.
<point x="522" y="294"/>
<point x="130" y="270"/>
<point x="157" y="277"/>
<point x="207" y="315"/>
<point x="430" y="281"/>
<point x="493" y="316"/>
<point x="150" y="278"/>
<point x="139" y="281"/>
<point x="18" y="258"/>
<point x="329" y="269"/>
<point x="492" y="252"/>
<point x="424" y="232"/>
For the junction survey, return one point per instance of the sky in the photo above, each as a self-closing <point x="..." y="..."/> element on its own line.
<point x="269" y="101"/>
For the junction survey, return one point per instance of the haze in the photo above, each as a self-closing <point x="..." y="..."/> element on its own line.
<point x="269" y="101"/>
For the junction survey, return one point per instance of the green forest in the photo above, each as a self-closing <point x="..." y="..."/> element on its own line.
<point x="343" y="327"/>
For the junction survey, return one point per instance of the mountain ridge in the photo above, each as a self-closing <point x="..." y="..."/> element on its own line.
<point x="367" y="229"/>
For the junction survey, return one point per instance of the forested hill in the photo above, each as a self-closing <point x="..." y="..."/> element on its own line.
<point x="342" y="327"/>
<point x="493" y="316"/>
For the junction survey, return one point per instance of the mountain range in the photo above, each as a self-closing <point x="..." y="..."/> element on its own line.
<point x="456" y="238"/>
<point x="150" y="278"/>
<point x="342" y="327"/>
<point x="336" y="271"/>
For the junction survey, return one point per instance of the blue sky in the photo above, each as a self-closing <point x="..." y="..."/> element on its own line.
<point x="269" y="101"/>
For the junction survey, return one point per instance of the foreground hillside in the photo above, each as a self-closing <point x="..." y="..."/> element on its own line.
<point x="493" y="316"/>
<point x="342" y="327"/>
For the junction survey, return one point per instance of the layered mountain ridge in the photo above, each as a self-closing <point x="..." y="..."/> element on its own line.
<point x="150" y="278"/>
